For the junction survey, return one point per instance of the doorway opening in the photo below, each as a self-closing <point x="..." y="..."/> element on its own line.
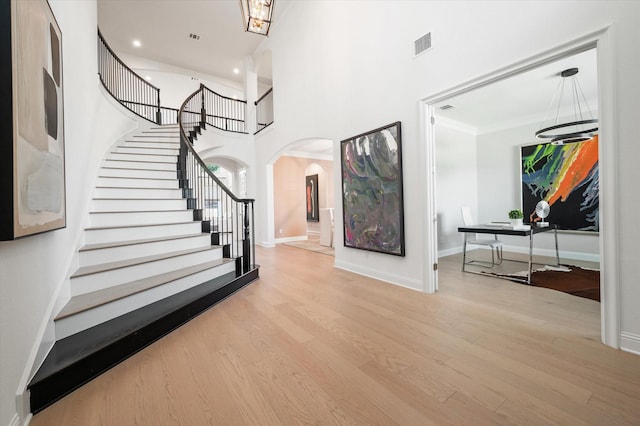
<point x="298" y="211"/>
<point x="491" y="193"/>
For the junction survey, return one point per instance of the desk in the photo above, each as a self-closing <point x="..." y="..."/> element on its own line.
<point x="500" y="230"/>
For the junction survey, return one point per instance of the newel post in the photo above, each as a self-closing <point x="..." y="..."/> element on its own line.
<point x="246" y="241"/>
<point x="158" y="111"/>
<point x="203" y="111"/>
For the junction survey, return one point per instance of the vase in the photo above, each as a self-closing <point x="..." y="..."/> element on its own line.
<point x="516" y="222"/>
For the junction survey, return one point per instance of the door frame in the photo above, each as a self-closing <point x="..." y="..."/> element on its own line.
<point x="601" y="40"/>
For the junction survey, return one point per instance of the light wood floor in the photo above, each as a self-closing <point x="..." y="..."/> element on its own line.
<point x="310" y="344"/>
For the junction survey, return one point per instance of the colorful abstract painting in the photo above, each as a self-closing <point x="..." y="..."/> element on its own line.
<point x="372" y="191"/>
<point x="566" y="177"/>
<point x="313" y="209"/>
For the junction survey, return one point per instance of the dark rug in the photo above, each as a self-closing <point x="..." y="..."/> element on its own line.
<point x="573" y="280"/>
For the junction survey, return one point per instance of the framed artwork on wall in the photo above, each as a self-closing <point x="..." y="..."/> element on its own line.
<point x="372" y="201"/>
<point x="567" y="178"/>
<point x="313" y="210"/>
<point x="32" y="148"/>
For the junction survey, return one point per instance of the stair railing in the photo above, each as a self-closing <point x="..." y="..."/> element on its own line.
<point x="222" y="112"/>
<point x="229" y="219"/>
<point x="264" y="110"/>
<point x="131" y="90"/>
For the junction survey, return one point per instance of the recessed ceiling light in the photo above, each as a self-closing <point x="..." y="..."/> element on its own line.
<point x="236" y="71"/>
<point x="148" y="78"/>
<point x="136" y="43"/>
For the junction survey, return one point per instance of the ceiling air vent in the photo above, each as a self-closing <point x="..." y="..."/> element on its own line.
<point x="422" y="44"/>
<point x="444" y="107"/>
<point x="194" y="36"/>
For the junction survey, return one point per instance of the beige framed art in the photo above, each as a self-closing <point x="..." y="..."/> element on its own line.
<point x="32" y="151"/>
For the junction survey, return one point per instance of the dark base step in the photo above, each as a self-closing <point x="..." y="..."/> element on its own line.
<point x="77" y="359"/>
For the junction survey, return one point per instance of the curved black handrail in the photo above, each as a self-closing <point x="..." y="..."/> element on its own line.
<point x="128" y="88"/>
<point x="230" y="219"/>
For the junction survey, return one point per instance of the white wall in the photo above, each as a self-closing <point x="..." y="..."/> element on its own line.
<point x="456" y="182"/>
<point x="176" y="83"/>
<point x="34" y="269"/>
<point x="359" y="73"/>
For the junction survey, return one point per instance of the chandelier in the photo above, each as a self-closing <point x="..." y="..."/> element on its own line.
<point x="584" y="125"/>
<point x="256" y="15"/>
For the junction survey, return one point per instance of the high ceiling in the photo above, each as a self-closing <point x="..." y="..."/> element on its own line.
<point x="163" y="28"/>
<point x="524" y="98"/>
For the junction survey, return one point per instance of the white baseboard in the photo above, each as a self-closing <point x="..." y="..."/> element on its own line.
<point x="380" y="275"/>
<point x="449" y="252"/>
<point x="630" y="342"/>
<point x="289" y="239"/>
<point x="266" y="244"/>
<point x="15" y="421"/>
<point x="570" y="255"/>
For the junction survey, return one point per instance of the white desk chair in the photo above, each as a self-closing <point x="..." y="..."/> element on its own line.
<point x="495" y="245"/>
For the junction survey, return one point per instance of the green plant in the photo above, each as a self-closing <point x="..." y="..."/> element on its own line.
<point x="515" y="214"/>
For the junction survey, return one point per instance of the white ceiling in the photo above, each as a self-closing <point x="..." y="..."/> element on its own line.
<point x="163" y="28"/>
<point x="524" y="98"/>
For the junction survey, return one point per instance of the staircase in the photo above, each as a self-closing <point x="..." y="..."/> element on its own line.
<point x="148" y="265"/>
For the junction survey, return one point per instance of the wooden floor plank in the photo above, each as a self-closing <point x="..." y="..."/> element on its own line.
<point x="311" y="344"/>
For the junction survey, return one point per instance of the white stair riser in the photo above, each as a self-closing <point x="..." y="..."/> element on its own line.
<point x="139" y="218"/>
<point x="172" y="135"/>
<point x="149" y="144"/>
<point x="73" y="324"/>
<point x="112" y="235"/>
<point x="119" y="253"/>
<point x="127" y="149"/>
<point x="127" y="182"/>
<point x="138" y="193"/>
<point x="99" y="281"/>
<point x="144" y="157"/>
<point x="114" y="205"/>
<point x="136" y="173"/>
<point x="120" y="164"/>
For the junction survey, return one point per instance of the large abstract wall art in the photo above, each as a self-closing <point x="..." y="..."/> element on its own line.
<point x="566" y="176"/>
<point x="372" y="200"/>
<point x="32" y="178"/>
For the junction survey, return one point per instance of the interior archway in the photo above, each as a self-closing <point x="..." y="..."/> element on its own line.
<point x="286" y="179"/>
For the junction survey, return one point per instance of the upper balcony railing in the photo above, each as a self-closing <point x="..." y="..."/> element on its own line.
<point x="131" y="90"/>
<point x="222" y="112"/>
<point x="264" y="110"/>
<point x="143" y="98"/>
